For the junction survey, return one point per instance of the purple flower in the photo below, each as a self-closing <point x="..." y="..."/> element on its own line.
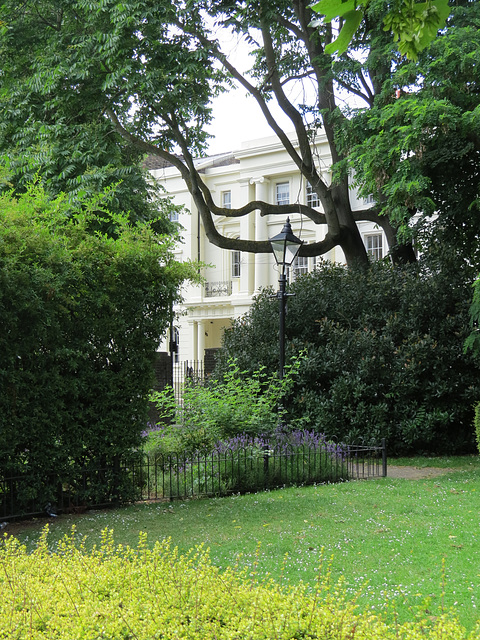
<point x="282" y="442"/>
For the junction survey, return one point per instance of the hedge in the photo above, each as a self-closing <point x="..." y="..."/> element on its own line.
<point x="82" y="315"/>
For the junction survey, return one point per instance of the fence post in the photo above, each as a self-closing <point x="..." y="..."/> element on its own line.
<point x="266" y="461"/>
<point x="384" y="458"/>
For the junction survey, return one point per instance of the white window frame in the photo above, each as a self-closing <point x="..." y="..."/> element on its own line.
<point x="282" y="193"/>
<point x="227" y="199"/>
<point x="175" y="338"/>
<point x="374" y="249"/>
<point x="236" y="264"/>
<point x="299" y="267"/>
<point x="312" y="198"/>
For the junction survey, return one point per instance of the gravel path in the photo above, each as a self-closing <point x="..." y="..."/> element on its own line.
<point x="416" y="473"/>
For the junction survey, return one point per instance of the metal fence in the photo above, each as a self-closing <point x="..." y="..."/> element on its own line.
<point x="188" y="372"/>
<point x="176" y="476"/>
<point x="181" y="476"/>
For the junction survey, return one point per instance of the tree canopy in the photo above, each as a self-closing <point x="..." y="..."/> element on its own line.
<point x="139" y="76"/>
<point x="413" y="24"/>
<point x="420" y="153"/>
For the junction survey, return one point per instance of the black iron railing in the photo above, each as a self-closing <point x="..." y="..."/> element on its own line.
<point x="188" y="372"/>
<point x="181" y="476"/>
<point x="218" y="289"/>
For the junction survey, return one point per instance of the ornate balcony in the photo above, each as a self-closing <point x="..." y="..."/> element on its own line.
<point x="218" y="289"/>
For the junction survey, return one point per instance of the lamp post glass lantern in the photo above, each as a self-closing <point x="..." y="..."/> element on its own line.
<point x="285" y="247"/>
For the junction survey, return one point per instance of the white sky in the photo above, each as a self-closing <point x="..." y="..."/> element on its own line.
<point x="237" y="118"/>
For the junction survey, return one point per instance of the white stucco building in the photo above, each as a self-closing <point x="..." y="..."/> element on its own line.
<point x="260" y="170"/>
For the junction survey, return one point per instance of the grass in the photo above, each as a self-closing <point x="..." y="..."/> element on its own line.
<point x="406" y="545"/>
<point x="470" y="462"/>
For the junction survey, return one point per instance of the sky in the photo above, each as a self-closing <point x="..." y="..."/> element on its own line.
<point x="237" y="119"/>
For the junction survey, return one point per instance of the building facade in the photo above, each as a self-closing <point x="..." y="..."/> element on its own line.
<point x="261" y="170"/>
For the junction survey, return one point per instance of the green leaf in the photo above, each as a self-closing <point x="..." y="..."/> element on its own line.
<point x="351" y="24"/>
<point x="415" y="25"/>
<point x="332" y="9"/>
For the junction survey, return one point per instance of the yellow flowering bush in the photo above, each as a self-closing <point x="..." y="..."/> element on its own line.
<point x="121" y="593"/>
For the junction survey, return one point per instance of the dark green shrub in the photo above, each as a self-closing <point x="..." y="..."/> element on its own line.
<point x="82" y="316"/>
<point x="473" y="340"/>
<point x="383" y="358"/>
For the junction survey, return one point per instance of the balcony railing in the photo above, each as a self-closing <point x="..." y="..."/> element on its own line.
<point x="218" y="289"/>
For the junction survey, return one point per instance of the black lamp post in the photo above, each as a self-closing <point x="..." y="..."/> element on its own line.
<point x="285" y="246"/>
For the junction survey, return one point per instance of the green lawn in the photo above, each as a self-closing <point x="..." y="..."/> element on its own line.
<point x="467" y="463"/>
<point x="402" y="543"/>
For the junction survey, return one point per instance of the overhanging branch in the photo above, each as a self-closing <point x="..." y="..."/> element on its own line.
<point x="147" y="147"/>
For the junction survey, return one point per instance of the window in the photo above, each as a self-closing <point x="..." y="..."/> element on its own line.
<point x="173" y="215"/>
<point x="299" y="267"/>
<point x="282" y="194"/>
<point x="236" y="261"/>
<point x="369" y="199"/>
<point x="227" y="199"/>
<point x="312" y="198"/>
<point x="374" y="245"/>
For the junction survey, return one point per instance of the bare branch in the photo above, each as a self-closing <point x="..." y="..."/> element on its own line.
<point x="368" y="98"/>
<point x="57" y="26"/>
<point x="300" y="76"/>
<point x="366" y="86"/>
<point x="147" y="147"/>
<point x="204" y="201"/>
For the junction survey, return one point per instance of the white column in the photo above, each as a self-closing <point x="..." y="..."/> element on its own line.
<point x="194" y="340"/>
<point x="247" y="232"/>
<point x="200" y="340"/>
<point x="247" y="269"/>
<point x="261" y="233"/>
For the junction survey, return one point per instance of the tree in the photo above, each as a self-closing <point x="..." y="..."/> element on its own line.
<point x="419" y="153"/>
<point x="70" y="149"/>
<point x="413" y="24"/>
<point x="81" y="159"/>
<point x="146" y="70"/>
